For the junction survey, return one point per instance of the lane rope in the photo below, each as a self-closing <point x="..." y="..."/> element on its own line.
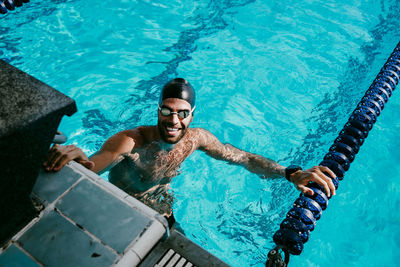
<point x="301" y="219"/>
<point x="6" y="5"/>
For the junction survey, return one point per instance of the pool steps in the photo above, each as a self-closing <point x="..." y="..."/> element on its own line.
<point x="86" y="221"/>
<point x="300" y="220"/>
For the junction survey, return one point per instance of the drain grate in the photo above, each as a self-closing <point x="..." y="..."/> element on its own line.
<point x="178" y="251"/>
<point x="173" y="259"/>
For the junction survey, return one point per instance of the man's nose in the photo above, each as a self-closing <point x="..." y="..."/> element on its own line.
<point x="174" y="118"/>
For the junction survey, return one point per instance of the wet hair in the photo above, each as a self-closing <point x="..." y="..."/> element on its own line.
<point x="178" y="88"/>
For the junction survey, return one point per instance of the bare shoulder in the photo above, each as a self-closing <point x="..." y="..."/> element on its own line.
<point x="146" y="134"/>
<point x="126" y="140"/>
<point x="140" y="135"/>
<point x="198" y="133"/>
<point x="203" y="137"/>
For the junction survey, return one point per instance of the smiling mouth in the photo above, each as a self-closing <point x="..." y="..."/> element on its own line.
<point x="172" y="131"/>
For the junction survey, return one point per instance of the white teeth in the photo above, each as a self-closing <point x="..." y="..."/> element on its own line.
<point x="172" y="129"/>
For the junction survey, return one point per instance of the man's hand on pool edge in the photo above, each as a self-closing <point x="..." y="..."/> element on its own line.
<point x="58" y="156"/>
<point x="315" y="174"/>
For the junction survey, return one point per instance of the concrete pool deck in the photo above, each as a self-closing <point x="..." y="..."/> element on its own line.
<point x="72" y="217"/>
<point x="86" y="221"/>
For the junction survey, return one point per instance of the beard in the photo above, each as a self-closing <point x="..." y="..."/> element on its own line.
<point x="162" y="128"/>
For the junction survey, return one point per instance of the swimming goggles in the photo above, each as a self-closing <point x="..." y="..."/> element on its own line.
<point x="183" y="114"/>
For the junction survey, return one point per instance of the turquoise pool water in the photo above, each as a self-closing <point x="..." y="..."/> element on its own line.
<point x="275" y="78"/>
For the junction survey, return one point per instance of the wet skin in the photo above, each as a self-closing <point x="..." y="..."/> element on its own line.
<point x="147" y="171"/>
<point x="143" y="161"/>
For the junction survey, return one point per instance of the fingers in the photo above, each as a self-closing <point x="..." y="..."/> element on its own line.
<point x="323" y="180"/>
<point x="323" y="183"/>
<point x="317" y="174"/>
<point x="327" y="170"/>
<point x="52" y="157"/>
<point x="59" y="156"/>
<point x="64" y="159"/>
<point x="323" y="170"/>
<point x="87" y="164"/>
<point x="49" y="155"/>
<point x="305" y="190"/>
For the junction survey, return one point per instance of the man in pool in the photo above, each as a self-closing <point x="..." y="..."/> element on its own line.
<point x="143" y="161"/>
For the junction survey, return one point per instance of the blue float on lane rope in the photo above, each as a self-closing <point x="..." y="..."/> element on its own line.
<point x="300" y="220"/>
<point x="6" y="5"/>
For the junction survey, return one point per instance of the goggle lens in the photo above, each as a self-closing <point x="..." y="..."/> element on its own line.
<point x="183" y="114"/>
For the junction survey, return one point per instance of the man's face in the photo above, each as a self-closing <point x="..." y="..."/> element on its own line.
<point x="172" y="128"/>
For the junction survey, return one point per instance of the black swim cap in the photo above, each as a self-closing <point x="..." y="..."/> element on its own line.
<point x="178" y="88"/>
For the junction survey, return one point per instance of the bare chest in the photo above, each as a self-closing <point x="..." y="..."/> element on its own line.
<point x="156" y="164"/>
<point x="148" y="166"/>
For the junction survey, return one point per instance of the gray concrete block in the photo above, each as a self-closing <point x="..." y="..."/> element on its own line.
<point x="103" y="215"/>
<point x="55" y="241"/>
<point x="30" y="112"/>
<point x="15" y="257"/>
<point x="112" y="188"/>
<point x="50" y="185"/>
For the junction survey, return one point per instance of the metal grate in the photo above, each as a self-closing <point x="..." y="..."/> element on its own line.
<point x="178" y="251"/>
<point x="173" y="259"/>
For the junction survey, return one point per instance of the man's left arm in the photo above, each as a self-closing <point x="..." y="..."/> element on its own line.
<point x="265" y="167"/>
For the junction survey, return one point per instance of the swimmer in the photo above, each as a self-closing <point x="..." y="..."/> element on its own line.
<point x="142" y="161"/>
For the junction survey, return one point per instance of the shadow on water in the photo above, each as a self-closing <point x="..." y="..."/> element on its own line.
<point x="328" y="117"/>
<point x="333" y="111"/>
<point x="26" y="14"/>
<point x="208" y="23"/>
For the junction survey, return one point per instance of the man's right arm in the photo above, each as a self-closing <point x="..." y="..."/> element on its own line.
<point x="120" y="143"/>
